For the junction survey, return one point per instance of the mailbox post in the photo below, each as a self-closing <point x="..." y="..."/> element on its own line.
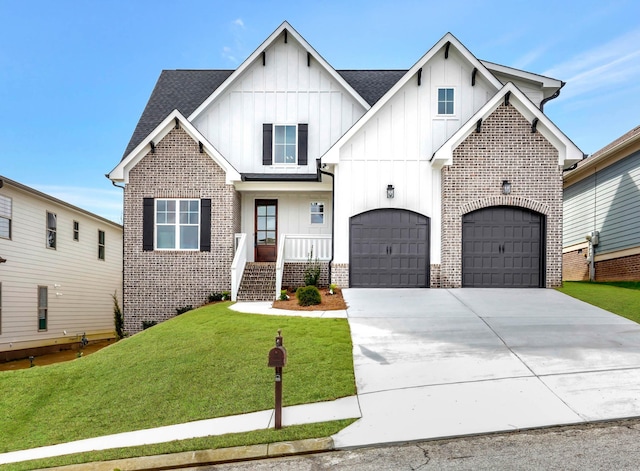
<point x="277" y="360"/>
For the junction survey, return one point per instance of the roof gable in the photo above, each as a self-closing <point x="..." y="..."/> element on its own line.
<point x="121" y="172"/>
<point x="284" y="29"/>
<point x="568" y="153"/>
<point x="446" y="42"/>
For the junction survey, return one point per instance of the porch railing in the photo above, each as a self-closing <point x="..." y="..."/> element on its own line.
<point x="298" y="248"/>
<point x="238" y="264"/>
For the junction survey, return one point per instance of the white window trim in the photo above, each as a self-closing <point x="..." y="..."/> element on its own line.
<point x="455" y="101"/>
<point x="176" y="225"/>
<point x="324" y="213"/>
<point x="273" y="147"/>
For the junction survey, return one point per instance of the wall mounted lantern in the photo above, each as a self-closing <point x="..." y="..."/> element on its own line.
<point x="506" y="187"/>
<point x="390" y="191"/>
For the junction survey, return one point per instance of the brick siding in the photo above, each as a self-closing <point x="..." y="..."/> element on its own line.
<point x="434" y="278"/>
<point x="293" y="275"/>
<point x="505" y="149"/>
<point x="158" y="282"/>
<point x="619" y="269"/>
<point x="340" y="274"/>
<point x="575" y="266"/>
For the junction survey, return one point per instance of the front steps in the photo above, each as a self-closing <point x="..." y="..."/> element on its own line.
<point x="258" y="282"/>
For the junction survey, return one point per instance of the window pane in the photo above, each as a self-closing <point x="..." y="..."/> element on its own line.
<point x="271" y="210"/>
<point x="279" y="134"/>
<point x="441" y="108"/>
<point x="5" y="207"/>
<point x="262" y="223"/>
<point x="101" y="252"/>
<point x="290" y="135"/>
<point x="161" y="205"/>
<point x="271" y="237"/>
<point x="441" y="94"/>
<point x="262" y="237"/>
<point x="42" y="296"/>
<point x="449" y="94"/>
<point x="189" y="237"/>
<point x="51" y="221"/>
<point x="51" y="239"/>
<point x="317" y="219"/>
<point x="271" y="224"/>
<point x="4" y="228"/>
<point x="101" y="237"/>
<point x="166" y="237"/>
<point x="279" y="154"/>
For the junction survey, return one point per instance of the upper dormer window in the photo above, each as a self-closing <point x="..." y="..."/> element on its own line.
<point x="446" y="101"/>
<point x="284" y="144"/>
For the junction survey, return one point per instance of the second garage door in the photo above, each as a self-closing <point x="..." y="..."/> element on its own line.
<point x="389" y="248"/>
<point x="502" y="246"/>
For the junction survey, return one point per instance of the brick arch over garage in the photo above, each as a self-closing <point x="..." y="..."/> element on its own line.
<point x="504" y="200"/>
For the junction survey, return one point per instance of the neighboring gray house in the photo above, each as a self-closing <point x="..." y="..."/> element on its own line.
<point x="602" y="197"/>
<point x="447" y="174"/>
<point x="59" y="268"/>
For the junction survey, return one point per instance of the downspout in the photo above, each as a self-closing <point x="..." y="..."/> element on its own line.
<point x="333" y="209"/>
<point x="549" y="98"/>
<point x="123" y="229"/>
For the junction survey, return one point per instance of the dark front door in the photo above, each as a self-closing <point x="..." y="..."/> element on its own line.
<point x="389" y="248"/>
<point x="266" y="236"/>
<point x="502" y="247"/>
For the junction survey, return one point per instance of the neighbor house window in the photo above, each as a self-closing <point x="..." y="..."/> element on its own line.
<point x="43" y="306"/>
<point x="52" y="225"/>
<point x="177" y="224"/>
<point x="76" y="231"/>
<point x="5" y="217"/>
<point x="445" y="101"/>
<point x="100" y="245"/>
<point x="284" y="144"/>
<point x="317" y="213"/>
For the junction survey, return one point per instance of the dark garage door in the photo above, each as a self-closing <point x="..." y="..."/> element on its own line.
<point x="389" y="248"/>
<point x="502" y="247"/>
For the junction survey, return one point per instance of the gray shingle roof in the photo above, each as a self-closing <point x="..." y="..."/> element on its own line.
<point x="185" y="90"/>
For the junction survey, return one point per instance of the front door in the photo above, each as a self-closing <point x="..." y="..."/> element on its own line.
<point x="266" y="235"/>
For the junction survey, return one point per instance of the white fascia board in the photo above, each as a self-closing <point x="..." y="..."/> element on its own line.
<point x="332" y="156"/>
<point x="276" y="188"/>
<point x="568" y="152"/>
<point x="256" y="55"/>
<point x="121" y="172"/>
<point x="545" y="82"/>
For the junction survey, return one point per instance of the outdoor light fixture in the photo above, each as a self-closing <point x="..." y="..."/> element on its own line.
<point x="390" y="191"/>
<point x="506" y="187"/>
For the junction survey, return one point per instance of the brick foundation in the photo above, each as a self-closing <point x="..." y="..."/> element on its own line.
<point x="505" y="149"/>
<point x="434" y="278"/>
<point x="293" y="275"/>
<point x="619" y="269"/>
<point x="340" y="274"/>
<point x="158" y="282"/>
<point x="575" y="266"/>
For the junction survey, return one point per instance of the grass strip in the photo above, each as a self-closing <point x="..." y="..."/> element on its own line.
<point x="210" y="362"/>
<point x="622" y="298"/>
<point x="296" y="432"/>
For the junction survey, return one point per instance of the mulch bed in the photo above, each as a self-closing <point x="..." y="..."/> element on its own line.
<point x="330" y="302"/>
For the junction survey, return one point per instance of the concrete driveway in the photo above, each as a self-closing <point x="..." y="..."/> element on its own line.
<point x="437" y="363"/>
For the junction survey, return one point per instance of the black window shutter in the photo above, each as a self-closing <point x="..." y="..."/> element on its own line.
<point x="147" y="224"/>
<point x="302" y="143"/>
<point x="205" y="225"/>
<point x="267" y="144"/>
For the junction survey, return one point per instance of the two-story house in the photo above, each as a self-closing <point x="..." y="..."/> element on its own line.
<point x="60" y="267"/>
<point x="447" y="174"/>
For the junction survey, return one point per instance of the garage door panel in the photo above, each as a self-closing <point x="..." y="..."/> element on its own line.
<point x="502" y="248"/>
<point x="401" y="254"/>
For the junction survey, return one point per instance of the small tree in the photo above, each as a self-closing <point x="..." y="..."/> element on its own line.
<point x="312" y="270"/>
<point x="118" y="317"/>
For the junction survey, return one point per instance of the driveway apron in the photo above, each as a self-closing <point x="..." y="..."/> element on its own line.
<point x="435" y="363"/>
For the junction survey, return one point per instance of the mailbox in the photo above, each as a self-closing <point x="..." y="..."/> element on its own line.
<point x="277" y="357"/>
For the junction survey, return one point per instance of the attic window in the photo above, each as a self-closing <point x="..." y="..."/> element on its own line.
<point x="446" y="101"/>
<point x="284" y="144"/>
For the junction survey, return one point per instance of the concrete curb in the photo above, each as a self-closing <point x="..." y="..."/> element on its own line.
<point x="208" y="457"/>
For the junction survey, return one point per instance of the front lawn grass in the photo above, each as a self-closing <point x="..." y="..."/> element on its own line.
<point x="210" y="362"/>
<point x="622" y="298"/>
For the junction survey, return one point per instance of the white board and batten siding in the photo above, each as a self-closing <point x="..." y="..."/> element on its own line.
<point x="395" y="146"/>
<point x="79" y="284"/>
<point x="294" y="214"/>
<point x="607" y="201"/>
<point x="284" y="91"/>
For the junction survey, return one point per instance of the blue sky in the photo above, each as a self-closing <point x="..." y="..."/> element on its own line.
<point x="76" y="75"/>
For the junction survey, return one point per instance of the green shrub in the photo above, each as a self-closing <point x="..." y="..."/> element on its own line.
<point x="283" y="295"/>
<point x="183" y="309"/>
<point x="308" y="296"/>
<point x="215" y="297"/>
<point x="226" y="295"/>
<point x="118" y="317"/>
<point x="147" y="324"/>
